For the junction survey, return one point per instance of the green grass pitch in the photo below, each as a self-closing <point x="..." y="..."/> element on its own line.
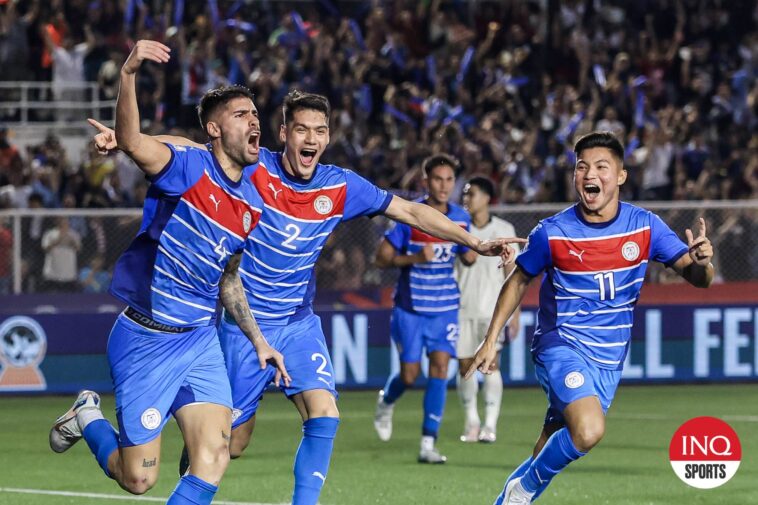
<point x="629" y="467"/>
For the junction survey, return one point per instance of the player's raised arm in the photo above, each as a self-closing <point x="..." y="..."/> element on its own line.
<point x="149" y="154"/>
<point x="232" y="295"/>
<point x="437" y="224"/>
<point x="508" y="301"/>
<point x="696" y="267"/>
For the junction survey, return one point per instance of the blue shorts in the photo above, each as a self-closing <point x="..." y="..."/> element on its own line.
<point x="155" y="374"/>
<point x="567" y="376"/>
<point x="412" y="332"/>
<point x="306" y="357"/>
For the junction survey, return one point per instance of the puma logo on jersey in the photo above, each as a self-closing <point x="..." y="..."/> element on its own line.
<point x="578" y="255"/>
<point x="222" y="251"/>
<point x="274" y="190"/>
<point x="213" y="199"/>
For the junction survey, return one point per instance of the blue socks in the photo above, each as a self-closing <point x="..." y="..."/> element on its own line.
<point x="518" y="472"/>
<point x="434" y="406"/>
<point x="558" y="452"/>
<point x="394" y="389"/>
<point x="312" y="459"/>
<point x="192" y="490"/>
<point x="102" y="441"/>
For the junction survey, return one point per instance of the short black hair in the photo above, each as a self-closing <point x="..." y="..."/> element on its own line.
<point x="438" y="160"/>
<point x="297" y="100"/>
<point x="218" y="97"/>
<point x="484" y="184"/>
<point x="600" y="139"/>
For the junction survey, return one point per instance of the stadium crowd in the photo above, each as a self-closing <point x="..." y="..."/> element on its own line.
<point x="506" y="86"/>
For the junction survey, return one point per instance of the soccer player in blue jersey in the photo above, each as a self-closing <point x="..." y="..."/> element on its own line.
<point x="427" y="300"/>
<point x="594" y="256"/>
<point x="304" y="201"/>
<point x="163" y="351"/>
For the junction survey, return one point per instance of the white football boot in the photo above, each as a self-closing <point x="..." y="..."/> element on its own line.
<point x="487" y="435"/>
<point x="66" y="431"/>
<point x="515" y="494"/>
<point x="383" y="418"/>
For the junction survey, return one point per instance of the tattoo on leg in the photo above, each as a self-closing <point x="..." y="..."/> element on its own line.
<point x="225" y="436"/>
<point x="148" y="464"/>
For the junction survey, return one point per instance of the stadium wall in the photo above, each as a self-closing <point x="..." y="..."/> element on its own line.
<point x="57" y="344"/>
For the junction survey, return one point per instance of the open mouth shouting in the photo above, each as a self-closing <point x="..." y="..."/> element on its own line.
<point x="253" y="142"/>
<point x="307" y="156"/>
<point x="591" y="193"/>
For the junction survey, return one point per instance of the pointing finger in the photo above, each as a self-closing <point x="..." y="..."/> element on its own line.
<point x="100" y="126"/>
<point x="690" y="238"/>
<point x="702" y="227"/>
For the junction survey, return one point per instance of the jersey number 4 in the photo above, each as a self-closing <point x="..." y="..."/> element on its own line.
<point x="610" y="292"/>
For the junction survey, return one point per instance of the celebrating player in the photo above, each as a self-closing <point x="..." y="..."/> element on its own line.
<point x="304" y="201"/>
<point x="426" y="306"/>
<point x="480" y="284"/>
<point x="594" y="255"/>
<point x="163" y="351"/>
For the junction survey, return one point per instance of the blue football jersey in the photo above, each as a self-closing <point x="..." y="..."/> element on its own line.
<point x="194" y="219"/>
<point x="281" y="252"/>
<point x="428" y="288"/>
<point x="593" y="276"/>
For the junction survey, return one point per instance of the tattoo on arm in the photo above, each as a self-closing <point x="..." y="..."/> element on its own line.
<point x="232" y="295"/>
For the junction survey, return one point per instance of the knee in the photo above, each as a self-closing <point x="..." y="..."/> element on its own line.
<point x="237" y="447"/>
<point x="329" y="410"/>
<point x="214" y="458"/>
<point x="139" y="483"/>
<point x="438" y="370"/>
<point x="409" y="377"/>
<point x="588" y="435"/>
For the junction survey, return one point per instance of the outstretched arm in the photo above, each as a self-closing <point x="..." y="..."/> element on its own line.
<point x="696" y="267"/>
<point x="149" y="154"/>
<point x="232" y="295"/>
<point x="437" y="224"/>
<point x="507" y="302"/>
<point x="105" y="139"/>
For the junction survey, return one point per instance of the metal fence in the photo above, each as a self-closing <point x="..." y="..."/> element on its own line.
<point x="75" y="250"/>
<point x="45" y="104"/>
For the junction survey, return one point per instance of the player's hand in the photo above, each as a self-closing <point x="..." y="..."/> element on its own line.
<point x="426" y="254"/>
<point x="105" y="140"/>
<point x="700" y="248"/>
<point x="145" y="50"/>
<point x="508" y="256"/>
<point x="498" y="246"/>
<point x="268" y="355"/>
<point x="484" y="359"/>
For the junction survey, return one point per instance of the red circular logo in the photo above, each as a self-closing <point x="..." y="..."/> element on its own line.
<point x="705" y="452"/>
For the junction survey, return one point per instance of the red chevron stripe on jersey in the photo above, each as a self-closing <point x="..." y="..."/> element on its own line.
<point x="217" y="205"/>
<point x="312" y="205"/>
<point x="600" y="254"/>
<point x="420" y="236"/>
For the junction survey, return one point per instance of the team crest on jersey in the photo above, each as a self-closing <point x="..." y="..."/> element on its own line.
<point x="151" y="418"/>
<point x="236" y="413"/>
<point x="630" y="251"/>
<point x="247" y="220"/>
<point x="323" y="205"/>
<point x="574" y="380"/>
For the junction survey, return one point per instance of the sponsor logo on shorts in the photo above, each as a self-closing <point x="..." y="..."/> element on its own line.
<point x="574" y="380"/>
<point x="705" y="452"/>
<point x="630" y="251"/>
<point x="323" y="205"/>
<point x="151" y="418"/>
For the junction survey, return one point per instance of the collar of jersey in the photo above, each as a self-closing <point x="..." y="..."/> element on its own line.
<point x="220" y="170"/>
<point x="604" y="224"/>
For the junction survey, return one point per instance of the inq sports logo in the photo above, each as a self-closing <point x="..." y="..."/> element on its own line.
<point x="705" y="452"/>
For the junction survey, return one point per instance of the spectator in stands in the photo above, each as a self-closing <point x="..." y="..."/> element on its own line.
<point x="6" y="253"/>
<point x="94" y="278"/>
<point x="31" y="245"/>
<point x="61" y="245"/>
